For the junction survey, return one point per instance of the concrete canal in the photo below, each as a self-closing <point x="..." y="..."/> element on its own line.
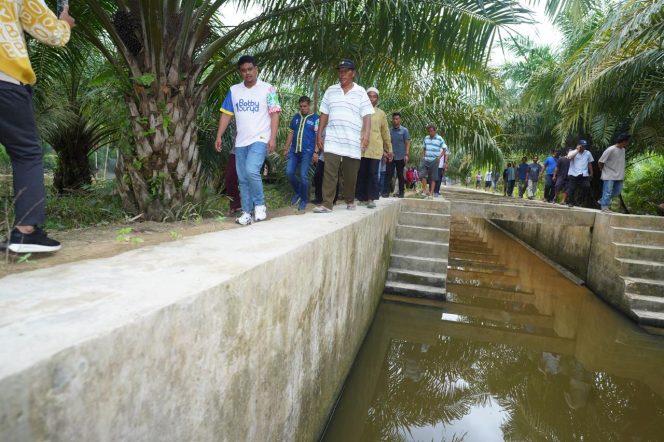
<point x="517" y="352"/>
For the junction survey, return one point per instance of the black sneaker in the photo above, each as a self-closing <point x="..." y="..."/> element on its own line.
<point x="35" y="242"/>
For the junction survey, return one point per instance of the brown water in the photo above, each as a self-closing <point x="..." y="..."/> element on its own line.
<point x="518" y="352"/>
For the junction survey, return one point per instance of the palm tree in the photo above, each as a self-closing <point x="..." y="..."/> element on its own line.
<point x="172" y="54"/>
<point x="615" y="81"/>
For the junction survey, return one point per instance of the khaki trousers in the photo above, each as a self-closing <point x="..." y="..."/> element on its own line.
<point x="349" y="168"/>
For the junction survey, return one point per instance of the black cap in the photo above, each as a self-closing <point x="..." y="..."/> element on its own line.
<point x="583" y="142"/>
<point x="347" y="64"/>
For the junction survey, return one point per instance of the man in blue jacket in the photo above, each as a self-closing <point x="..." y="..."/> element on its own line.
<point x="299" y="151"/>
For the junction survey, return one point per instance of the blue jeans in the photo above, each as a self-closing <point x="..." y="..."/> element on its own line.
<point x="610" y="190"/>
<point x="248" y="163"/>
<point x="300" y="182"/>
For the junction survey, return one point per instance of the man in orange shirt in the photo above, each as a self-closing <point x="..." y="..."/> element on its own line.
<point x="18" y="130"/>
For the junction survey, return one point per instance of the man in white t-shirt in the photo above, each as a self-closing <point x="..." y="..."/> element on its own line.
<point x="343" y="134"/>
<point x="255" y="106"/>
<point x="612" y="165"/>
<point x="580" y="171"/>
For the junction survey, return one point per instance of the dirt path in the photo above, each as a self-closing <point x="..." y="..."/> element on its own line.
<point x="110" y="240"/>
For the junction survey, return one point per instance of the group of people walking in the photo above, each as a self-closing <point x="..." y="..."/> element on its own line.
<point x="569" y="174"/>
<point x="349" y="141"/>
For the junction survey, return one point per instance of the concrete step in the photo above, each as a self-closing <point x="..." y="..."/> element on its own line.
<point x="423" y="233"/>
<point x="470" y="294"/>
<point x="643" y="286"/>
<point x="438" y="206"/>
<point x="420" y="219"/>
<point x="415" y="290"/>
<point x="480" y="279"/>
<point x="639" y="251"/>
<point x="426" y="249"/>
<point x="471" y="264"/>
<point x="654" y="330"/>
<point x="418" y="263"/>
<point x="648" y="303"/>
<point x="490" y="258"/>
<point x="640" y="268"/>
<point x="436" y="279"/>
<point x="637" y="221"/>
<point x="637" y="236"/>
<point x="653" y="319"/>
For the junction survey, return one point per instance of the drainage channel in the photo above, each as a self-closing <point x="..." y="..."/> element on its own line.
<point x="516" y="352"/>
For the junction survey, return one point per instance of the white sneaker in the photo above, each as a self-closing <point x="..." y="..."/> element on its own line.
<point x="244" y="219"/>
<point x="260" y="213"/>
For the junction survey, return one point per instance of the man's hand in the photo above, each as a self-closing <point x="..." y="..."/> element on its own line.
<point x="320" y="143"/>
<point x="217" y="144"/>
<point x="286" y="152"/>
<point x="405" y="158"/>
<point x="271" y="145"/>
<point x="365" y="142"/>
<point x="314" y="158"/>
<point x="64" y="16"/>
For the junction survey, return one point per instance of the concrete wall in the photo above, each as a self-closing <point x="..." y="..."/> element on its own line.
<point x="566" y="244"/>
<point x="240" y="335"/>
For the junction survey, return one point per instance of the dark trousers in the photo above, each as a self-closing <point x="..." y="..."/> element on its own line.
<point x="18" y="133"/>
<point x="231" y="183"/>
<point x="318" y="181"/>
<point x="510" y="187"/>
<point x="575" y="182"/>
<point x="367" y="180"/>
<point x="548" y="187"/>
<point x="391" y="166"/>
<point x="349" y="167"/>
<point x="439" y="181"/>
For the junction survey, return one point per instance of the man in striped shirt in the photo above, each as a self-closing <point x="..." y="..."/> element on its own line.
<point x="343" y="134"/>
<point x="434" y="149"/>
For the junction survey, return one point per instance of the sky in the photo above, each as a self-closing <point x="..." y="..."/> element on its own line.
<point x="542" y="32"/>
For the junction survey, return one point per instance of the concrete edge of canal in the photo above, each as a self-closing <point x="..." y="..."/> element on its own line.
<point x="244" y="334"/>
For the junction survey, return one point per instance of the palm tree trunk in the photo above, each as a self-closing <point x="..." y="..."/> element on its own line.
<point x="162" y="172"/>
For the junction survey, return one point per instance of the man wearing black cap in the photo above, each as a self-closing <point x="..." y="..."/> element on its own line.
<point x="343" y="134"/>
<point x="580" y="171"/>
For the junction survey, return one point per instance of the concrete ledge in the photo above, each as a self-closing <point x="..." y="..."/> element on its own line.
<point x="547" y="214"/>
<point x="245" y="334"/>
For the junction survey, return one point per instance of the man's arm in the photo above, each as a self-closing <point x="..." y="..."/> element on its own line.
<point x="289" y="141"/>
<point x="407" y="150"/>
<point x="274" y="128"/>
<point x="387" y="139"/>
<point x="40" y="22"/>
<point x="590" y="168"/>
<point x="366" y="130"/>
<point x="573" y="153"/>
<point x="322" y="124"/>
<point x="555" y="172"/>
<point x="224" y="121"/>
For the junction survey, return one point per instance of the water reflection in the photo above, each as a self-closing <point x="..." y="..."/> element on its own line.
<point x="517" y="352"/>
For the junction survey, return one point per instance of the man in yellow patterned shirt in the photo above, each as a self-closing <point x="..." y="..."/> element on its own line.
<point x="18" y="130"/>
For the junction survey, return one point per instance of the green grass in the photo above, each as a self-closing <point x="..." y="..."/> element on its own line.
<point x="97" y="205"/>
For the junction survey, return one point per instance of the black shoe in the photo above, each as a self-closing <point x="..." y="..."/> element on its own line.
<point x="35" y="242"/>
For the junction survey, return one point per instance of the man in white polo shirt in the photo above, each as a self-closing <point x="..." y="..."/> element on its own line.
<point x="255" y="106"/>
<point x="343" y="134"/>
<point x="580" y="171"/>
